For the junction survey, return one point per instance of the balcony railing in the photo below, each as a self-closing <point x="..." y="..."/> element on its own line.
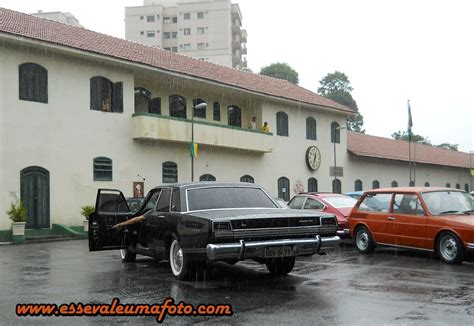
<point x="148" y="126"/>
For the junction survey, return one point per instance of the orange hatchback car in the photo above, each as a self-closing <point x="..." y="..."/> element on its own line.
<point x="434" y="219"/>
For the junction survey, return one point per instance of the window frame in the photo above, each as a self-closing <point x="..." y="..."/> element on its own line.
<point x="247" y="177"/>
<point x="311" y="129"/>
<point x="98" y="167"/>
<point x="282" y="124"/>
<point x="311" y="185"/>
<point x="357" y="183"/>
<point x="33" y="83"/>
<point x="166" y="177"/>
<point x="177" y="99"/>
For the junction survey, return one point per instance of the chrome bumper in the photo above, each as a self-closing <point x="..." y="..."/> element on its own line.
<point x="330" y="242"/>
<point x="343" y="233"/>
<point x="256" y="249"/>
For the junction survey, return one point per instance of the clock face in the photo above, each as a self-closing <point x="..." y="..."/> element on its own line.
<point x="313" y="158"/>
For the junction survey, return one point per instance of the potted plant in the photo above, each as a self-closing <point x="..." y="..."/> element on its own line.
<point x="86" y="211"/>
<point x="17" y="213"/>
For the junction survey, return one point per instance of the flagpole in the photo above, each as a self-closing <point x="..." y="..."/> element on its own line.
<point x="409" y="142"/>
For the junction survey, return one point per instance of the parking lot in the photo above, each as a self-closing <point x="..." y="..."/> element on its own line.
<point x="390" y="287"/>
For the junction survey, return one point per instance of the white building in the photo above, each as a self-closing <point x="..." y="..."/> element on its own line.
<point x="208" y="30"/>
<point x="81" y="110"/>
<point x="59" y="16"/>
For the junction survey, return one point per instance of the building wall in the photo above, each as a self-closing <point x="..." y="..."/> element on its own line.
<point x="217" y="24"/>
<point x="386" y="171"/>
<point x="64" y="135"/>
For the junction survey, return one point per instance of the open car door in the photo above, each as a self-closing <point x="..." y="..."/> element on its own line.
<point x="111" y="208"/>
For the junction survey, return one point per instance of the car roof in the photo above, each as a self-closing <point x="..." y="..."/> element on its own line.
<point x="205" y="184"/>
<point x="411" y="189"/>
<point x="322" y="194"/>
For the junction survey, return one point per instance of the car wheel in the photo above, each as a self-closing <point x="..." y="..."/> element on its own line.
<point x="127" y="256"/>
<point x="363" y="240"/>
<point x="450" y="249"/>
<point x="179" y="263"/>
<point x="280" y="266"/>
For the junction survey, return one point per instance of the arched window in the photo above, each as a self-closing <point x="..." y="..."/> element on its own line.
<point x="105" y="95"/>
<point x="312" y="185"/>
<point x="177" y="106"/>
<point x="466" y="187"/>
<point x="216" y="111"/>
<point x="394" y="184"/>
<point x="234" y="116"/>
<point x="448" y="185"/>
<point x="142" y="100"/>
<point x="282" y="124"/>
<point x="207" y="177"/>
<point x="427" y="184"/>
<point x="358" y="185"/>
<point x="375" y="184"/>
<point x="102" y="169"/>
<point x="199" y="108"/>
<point x="284" y="188"/>
<point x="412" y="183"/>
<point x="336" y="186"/>
<point x="170" y="172"/>
<point x="247" y="178"/>
<point x="335" y="133"/>
<point x="33" y="80"/>
<point x="458" y="186"/>
<point x="310" y="128"/>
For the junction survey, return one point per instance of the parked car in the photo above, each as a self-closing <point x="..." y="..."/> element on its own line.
<point x="435" y="219"/>
<point x="280" y="202"/>
<point x="135" y="203"/>
<point x="337" y="204"/>
<point x="190" y="224"/>
<point x="354" y="194"/>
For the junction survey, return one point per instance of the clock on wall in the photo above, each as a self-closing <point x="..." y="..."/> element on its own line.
<point x="313" y="158"/>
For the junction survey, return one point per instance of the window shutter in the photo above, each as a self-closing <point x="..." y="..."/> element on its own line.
<point x="43" y="85"/>
<point x="95" y="91"/>
<point x="117" y="97"/>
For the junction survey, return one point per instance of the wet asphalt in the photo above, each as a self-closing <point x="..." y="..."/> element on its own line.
<point x="390" y="287"/>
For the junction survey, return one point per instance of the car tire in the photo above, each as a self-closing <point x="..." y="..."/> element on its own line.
<point x="363" y="240"/>
<point x="450" y="248"/>
<point x="179" y="262"/>
<point x="127" y="256"/>
<point x="280" y="266"/>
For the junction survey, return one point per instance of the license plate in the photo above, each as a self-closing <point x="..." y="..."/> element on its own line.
<point x="278" y="252"/>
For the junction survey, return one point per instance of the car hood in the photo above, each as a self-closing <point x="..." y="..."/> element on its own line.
<point x="464" y="220"/>
<point x="230" y="214"/>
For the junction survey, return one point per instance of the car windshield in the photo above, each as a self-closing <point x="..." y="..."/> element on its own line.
<point x="340" y="201"/>
<point x="228" y="197"/>
<point x="448" y="202"/>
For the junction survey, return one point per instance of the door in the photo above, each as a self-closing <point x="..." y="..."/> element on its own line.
<point x="34" y="192"/>
<point x="111" y="208"/>
<point x="408" y="222"/>
<point x="156" y="223"/>
<point x="374" y="211"/>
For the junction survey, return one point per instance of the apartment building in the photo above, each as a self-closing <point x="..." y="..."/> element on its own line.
<point x="207" y="30"/>
<point x="59" y="16"/>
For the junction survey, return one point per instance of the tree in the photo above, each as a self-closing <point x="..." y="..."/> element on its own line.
<point x="403" y="135"/>
<point x="337" y="87"/>
<point x="281" y="71"/>
<point x="453" y="147"/>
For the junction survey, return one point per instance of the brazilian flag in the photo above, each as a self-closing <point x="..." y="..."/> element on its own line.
<point x="193" y="148"/>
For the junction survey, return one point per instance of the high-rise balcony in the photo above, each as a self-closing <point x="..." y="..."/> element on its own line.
<point x="243" y="35"/>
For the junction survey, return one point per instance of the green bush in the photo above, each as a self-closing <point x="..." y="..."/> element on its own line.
<point x="17" y="211"/>
<point x="87" y="210"/>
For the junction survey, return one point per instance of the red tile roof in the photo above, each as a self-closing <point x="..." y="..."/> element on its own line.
<point x="385" y="148"/>
<point x="36" y="28"/>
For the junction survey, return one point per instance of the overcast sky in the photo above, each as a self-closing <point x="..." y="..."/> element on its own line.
<point x="391" y="51"/>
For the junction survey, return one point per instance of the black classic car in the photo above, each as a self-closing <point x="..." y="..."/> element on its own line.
<point x="195" y="223"/>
